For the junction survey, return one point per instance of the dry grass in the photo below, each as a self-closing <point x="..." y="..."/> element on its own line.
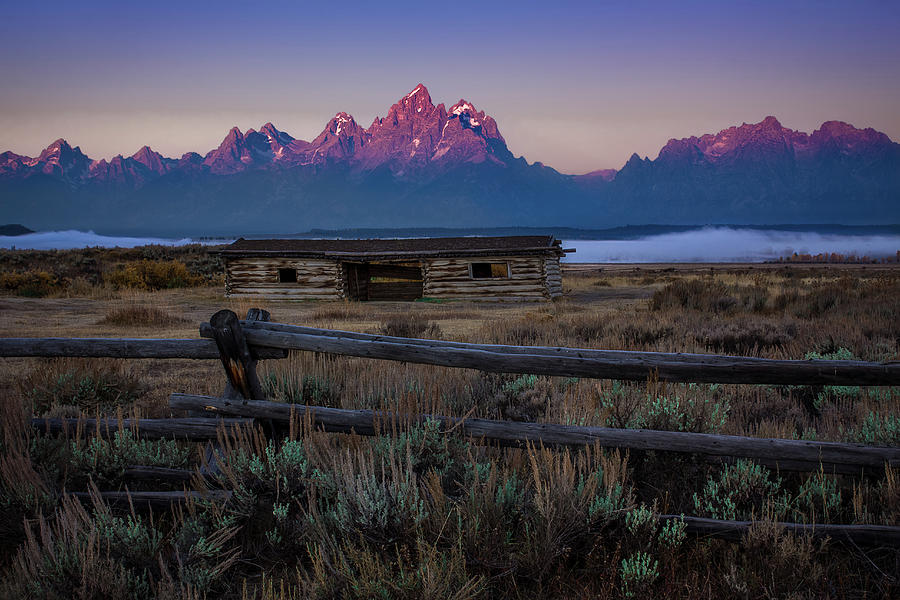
<point x="411" y="325"/>
<point x="73" y="385"/>
<point x="140" y="316"/>
<point x="423" y="514"/>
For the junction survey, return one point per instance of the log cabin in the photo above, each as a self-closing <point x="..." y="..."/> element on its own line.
<point x="484" y="268"/>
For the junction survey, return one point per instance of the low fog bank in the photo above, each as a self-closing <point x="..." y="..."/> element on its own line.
<point x="710" y="244"/>
<point x="725" y="244"/>
<point x="65" y="240"/>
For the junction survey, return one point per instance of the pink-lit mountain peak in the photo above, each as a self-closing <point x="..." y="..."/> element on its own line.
<point x="419" y="91"/>
<point x="59" y="149"/>
<point x="769" y="138"/>
<point x="765" y="138"/>
<point x="771" y="123"/>
<point x="9" y="158"/>
<point x="471" y="118"/>
<point x="415" y="134"/>
<point x="418" y="100"/>
<point x="275" y="135"/>
<point x="847" y="136"/>
<point x="239" y="151"/>
<point x="341" y="140"/>
<point x="839" y="128"/>
<point x="58" y="145"/>
<point x="343" y="123"/>
<point x="463" y="109"/>
<point x="151" y="159"/>
<point x="769" y="129"/>
<point x="415" y="109"/>
<point x="61" y="160"/>
<point x="233" y="134"/>
<point x="145" y="152"/>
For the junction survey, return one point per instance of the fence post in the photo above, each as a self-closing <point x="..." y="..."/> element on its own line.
<point x="239" y="363"/>
<point x="258" y="314"/>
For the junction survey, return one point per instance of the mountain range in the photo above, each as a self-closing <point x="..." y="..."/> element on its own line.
<point x="427" y="165"/>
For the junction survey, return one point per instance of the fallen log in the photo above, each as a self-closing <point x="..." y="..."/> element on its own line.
<point x="799" y="455"/>
<point x="868" y="535"/>
<point x="572" y="362"/>
<point x="191" y="428"/>
<point x="117" y="348"/>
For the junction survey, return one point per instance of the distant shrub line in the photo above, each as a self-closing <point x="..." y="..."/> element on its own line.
<point x="38" y="273"/>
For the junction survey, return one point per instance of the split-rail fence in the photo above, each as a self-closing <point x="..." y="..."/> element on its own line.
<point x="240" y="344"/>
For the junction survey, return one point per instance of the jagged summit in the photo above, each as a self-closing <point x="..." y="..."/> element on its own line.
<point x="275" y="135"/>
<point x="419" y="98"/>
<point x="342" y="122"/>
<point x="419" y="88"/>
<point x="152" y="160"/>
<point x="414" y="134"/>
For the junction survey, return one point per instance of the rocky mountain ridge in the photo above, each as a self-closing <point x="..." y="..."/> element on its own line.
<point x="422" y="164"/>
<point x="414" y="134"/>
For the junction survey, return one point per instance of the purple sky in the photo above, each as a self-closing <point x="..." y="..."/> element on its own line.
<point x="576" y="85"/>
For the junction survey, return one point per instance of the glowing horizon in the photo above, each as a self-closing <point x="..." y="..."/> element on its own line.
<point x="577" y="86"/>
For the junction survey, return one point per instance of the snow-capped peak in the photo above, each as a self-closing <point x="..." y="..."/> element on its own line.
<point x="415" y="91"/>
<point x="340" y="120"/>
<point x="461" y="108"/>
<point x="466" y="113"/>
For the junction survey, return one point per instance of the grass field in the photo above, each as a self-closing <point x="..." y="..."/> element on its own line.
<point x="419" y="513"/>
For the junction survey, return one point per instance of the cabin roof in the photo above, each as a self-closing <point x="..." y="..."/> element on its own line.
<point x="401" y="248"/>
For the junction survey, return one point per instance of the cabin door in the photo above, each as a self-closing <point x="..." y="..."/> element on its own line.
<point x="374" y="281"/>
<point x="357" y="277"/>
<point x="395" y="282"/>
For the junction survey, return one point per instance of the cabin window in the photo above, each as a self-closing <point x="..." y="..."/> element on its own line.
<point x="287" y="275"/>
<point x="490" y="270"/>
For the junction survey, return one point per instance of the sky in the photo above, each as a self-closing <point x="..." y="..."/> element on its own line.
<point x="578" y="86"/>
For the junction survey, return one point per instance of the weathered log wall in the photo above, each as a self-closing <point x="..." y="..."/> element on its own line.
<point x="530" y="278"/>
<point x="452" y="278"/>
<point x="316" y="278"/>
<point x="553" y="276"/>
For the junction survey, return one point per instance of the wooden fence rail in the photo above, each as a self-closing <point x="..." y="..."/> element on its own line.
<point x="571" y="362"/>
<point x="271" y="340"/>
<point x="794" y="455"/>
<point x="117" y="348"/>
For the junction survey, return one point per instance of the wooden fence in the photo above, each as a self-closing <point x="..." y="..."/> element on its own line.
<point x="118" y="348"/>
<point x="790" y="455"/>
<point x="240" y="344"/>
<point x="571" y="362"/>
